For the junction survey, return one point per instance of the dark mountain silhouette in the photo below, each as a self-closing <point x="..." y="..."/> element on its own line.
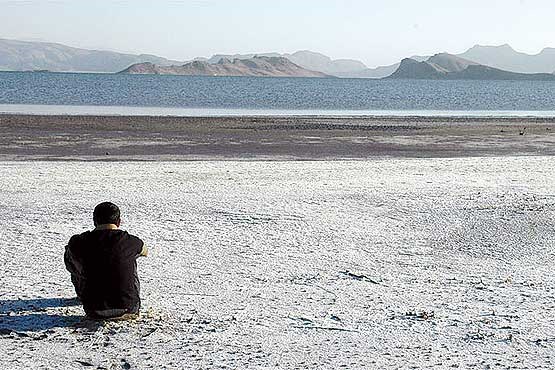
<point x="451" y="67"/>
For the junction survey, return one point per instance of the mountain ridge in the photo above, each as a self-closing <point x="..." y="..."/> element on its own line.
<point x="25" y="55"/>
<point x="33" y="55"/>
<point x="506" y="58"/>
<point x="445" y="66"/>
<point x="261" y="66"/>
<point x="305" y="58"/>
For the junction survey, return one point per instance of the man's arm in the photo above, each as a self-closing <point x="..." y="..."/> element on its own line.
<point x="73" y="265"/>
<point x="75" y="268"/>
<point x="68" y="261"/>
<point x="139" y="248"/>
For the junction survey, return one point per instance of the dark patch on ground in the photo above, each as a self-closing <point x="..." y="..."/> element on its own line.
<point x="29" y="137"/>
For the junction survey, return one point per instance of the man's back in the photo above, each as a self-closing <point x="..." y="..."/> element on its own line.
<point x="104" y="262"/>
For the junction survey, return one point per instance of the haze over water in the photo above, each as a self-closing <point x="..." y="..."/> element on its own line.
<point x="183" y="95"/>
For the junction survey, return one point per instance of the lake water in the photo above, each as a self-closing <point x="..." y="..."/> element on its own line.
<point x="73" y="93"/>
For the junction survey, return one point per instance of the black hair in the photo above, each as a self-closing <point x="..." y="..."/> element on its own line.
<point x="106" y="213"/>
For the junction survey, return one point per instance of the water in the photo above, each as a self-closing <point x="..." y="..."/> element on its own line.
<point x="72" y="93"/>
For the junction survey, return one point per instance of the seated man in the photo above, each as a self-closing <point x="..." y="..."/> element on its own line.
<point x="103" y="266"/>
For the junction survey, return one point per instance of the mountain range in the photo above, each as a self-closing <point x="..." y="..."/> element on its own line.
<point x="506" y="58"/>
<point x="307" y="59"/>
<point x="445" y="66"/>
<point x="502" y="57"/>
<point x="346" y="68"/>
<point x="262" y="66"/>
<point x="28" y="56"/>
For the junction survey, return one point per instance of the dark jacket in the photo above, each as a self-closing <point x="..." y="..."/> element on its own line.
<point x="103" y="267"/>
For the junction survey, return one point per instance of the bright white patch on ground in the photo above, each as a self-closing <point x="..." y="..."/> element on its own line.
<point x="374" y="264"/>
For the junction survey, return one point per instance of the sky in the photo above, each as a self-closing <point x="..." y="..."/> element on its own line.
<point x="377" y="32"/>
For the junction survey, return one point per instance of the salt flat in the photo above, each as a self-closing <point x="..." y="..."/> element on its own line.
<point x="380" y="263"/>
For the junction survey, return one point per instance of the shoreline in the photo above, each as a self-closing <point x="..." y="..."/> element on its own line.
<point x="177" y="112"/>
<point x="149" y="138"/>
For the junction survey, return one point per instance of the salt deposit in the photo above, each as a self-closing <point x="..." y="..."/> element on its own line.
<point x="341" y="264"/>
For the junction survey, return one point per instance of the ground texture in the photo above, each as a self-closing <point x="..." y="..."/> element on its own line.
<point x="404" y="263"/>
<point x="94" y="138"/>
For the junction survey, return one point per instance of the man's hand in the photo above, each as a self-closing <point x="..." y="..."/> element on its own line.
<point x="144" y="251"/>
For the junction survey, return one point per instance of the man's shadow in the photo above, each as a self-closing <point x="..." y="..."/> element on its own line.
<point x="30" y="315"/>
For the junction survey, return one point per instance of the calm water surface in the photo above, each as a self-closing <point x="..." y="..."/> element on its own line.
<point x="181" y="95"/>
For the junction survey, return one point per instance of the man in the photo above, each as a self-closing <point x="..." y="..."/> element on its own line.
<point x="103" y="266"/>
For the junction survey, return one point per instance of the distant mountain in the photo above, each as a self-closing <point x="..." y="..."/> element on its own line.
<point x="44" y="56"/>
<point x="412" y="69"/>
<point x="451" y="67"/>
<point x="262" y="66"/>
<point x="378" y="72"/>
<point x="35" y="55"/>
<point x="306" y="59"/>
<point x="25" y="55"/>
<point x="506" y="58"/>
<point x="218" y="57"/>
<point x="320" y="62"/>
<point x="447" y="63"/>
<point x="502" y="57"/>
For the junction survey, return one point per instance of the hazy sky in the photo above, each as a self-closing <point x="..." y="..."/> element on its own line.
<point x="375" y="31"/>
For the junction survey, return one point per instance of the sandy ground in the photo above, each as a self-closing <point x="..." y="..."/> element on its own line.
<point x="269" y="138"/>
<point x="385" y="263"/>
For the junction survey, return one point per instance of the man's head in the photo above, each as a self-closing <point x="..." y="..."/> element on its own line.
<point x="106" y="213"/>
